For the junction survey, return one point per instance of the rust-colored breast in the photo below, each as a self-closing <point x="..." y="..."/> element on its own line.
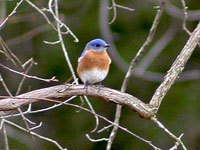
<point x="93" y="59"/>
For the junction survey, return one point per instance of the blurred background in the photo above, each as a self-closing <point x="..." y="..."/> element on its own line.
<point x="25" y="33"/>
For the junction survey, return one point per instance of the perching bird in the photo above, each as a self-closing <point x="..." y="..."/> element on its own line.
<point x="94" y="62"/>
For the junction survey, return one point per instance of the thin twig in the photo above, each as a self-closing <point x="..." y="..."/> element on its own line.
<point x="175" y="147"/>
<point x="37" y="135"/>
<point x="42" y="13"/>
<point x="135" y="60"/>
<point x="29" y="76"/>
<point x="107" y="35"/>
<point x="5" y="136"/>
<point x="96" y="140"/>
<point x="185" y="17"/>
<point x="122" y="64"/>
<point x="36" y="127"/>
<point x="24" y="77"/>
<point x="87" y="110"/>
<point x="12" y="13"/>
<point x="9" y="54"/>
<point x="29" y="111"/>
<point x="173" y="11"/>
<point x="157" y="48"/>
<point x="10" y="94"/>
<point x="4" y="85"/>
<point x="160" y="125"/>
<point x="114" y="7"/>
<point x="104" y="128"/>
<point x="49" y="22"/>
<point x="56" y="15"/>
<point x="149" y="39"/>
<point x="29" y="61"/>
<point x="3" y="11"/>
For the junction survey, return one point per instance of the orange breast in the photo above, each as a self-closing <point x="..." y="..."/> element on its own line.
<point x="92" y="59"/>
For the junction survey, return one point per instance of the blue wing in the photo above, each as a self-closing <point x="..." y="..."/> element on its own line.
<point x="82" y="54"/>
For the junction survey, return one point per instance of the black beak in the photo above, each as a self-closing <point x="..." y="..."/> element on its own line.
<point x="107" y="45"/>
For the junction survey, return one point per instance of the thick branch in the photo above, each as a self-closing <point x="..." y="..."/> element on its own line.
<point x="107" y="94"/>
<point x="176" y="68"/>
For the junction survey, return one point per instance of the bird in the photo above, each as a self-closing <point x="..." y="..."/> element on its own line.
<point x="94" y="62"/>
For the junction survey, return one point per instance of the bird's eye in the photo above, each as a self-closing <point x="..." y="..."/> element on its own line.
<point x="98" y="45"/>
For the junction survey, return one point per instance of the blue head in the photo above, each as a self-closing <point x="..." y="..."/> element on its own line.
<point x="97" y="44"/>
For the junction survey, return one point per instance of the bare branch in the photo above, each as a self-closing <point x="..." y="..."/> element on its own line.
<point x="157" y="48"/>
<point x="56" y="19"/>
<point x="5" y="136"/>
<point x="185" y="17"/>
<point x="59" y="25"/>
<point x="176" y="68"/>
<point x="96" y="140"/>
<point x="29" y="111"/>
<point x="173" y="11"/>
<point x="177" y="12"/>
<point x="24" y="77"/>
<point x="4" y="85"/>
<point x="143" y="49"/>
<point x="28" y="76"/>
<point x="107" y="94"/>
<point x="107" y="35"/>
<point x="3" y="11"/>
<point x="87" y="110"/>
<point x="12" y="13"/>
<point x="160" y="125"/>
<point x="9" y="54"/>
<point x="133" y="63"/>
<point x="35" y="134"/>
<point x="114" y="7"/>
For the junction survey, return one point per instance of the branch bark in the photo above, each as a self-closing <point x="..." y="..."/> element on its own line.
<point x="176" y="68"/>
<point x="110" y="95"/>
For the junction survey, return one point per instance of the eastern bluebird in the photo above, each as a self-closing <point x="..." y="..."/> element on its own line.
<point x="94" y="62"/>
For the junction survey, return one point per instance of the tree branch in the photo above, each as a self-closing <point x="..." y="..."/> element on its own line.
<point x="53" y="92"/>
<point x="176" y="68"/>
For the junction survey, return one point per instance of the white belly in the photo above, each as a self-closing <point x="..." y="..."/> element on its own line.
<point x="93" y="76"/>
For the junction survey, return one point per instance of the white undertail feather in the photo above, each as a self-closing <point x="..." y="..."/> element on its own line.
<point x="93" y="76"/>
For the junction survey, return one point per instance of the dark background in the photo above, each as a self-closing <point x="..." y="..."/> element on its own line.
<point x="179" y="110"/>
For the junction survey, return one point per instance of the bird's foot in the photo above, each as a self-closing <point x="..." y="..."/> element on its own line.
<point x="99" y="86"/>
<point x="86" y="86"/>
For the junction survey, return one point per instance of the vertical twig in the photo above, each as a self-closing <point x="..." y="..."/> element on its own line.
<point x="185" y="17"/>
<point x="23" y="78"/>
<point x="10" y="94"/>
<point x="3" y="11"/>
<point x="9" y="54"/>
<point x="67" y="57"/>
<point x="149" y="39"/>
<point x="5" y="136"/>
<point x="136" y="59"/>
